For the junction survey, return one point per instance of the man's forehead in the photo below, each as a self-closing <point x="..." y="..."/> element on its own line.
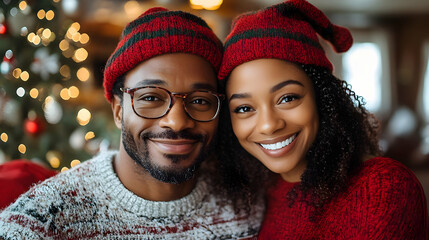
<point x="165" y="83"/>
<point x="176" y="69"/>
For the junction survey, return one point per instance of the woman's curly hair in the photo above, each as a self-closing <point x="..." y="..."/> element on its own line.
<point x="347" y="134"/>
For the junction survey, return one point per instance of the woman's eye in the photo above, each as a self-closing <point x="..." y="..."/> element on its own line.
<point x="288" y="98"/>
<point x="243" y="109"/>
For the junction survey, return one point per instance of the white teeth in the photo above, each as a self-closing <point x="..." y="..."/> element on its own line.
<point x="279" y="145"/>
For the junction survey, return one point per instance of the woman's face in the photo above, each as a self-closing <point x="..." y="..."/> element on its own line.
<point x="274" y="114"/>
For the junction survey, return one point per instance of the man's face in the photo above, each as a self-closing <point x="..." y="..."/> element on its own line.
<point x="170" y="148"/>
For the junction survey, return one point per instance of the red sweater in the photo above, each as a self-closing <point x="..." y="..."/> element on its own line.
<point x="383" y="201"/>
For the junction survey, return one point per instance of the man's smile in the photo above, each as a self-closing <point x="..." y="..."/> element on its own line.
<point x="175" y="146"/>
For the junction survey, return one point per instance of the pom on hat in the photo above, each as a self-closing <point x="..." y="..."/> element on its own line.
<point x="285" y="31"/>
<point x="159" y="31"/>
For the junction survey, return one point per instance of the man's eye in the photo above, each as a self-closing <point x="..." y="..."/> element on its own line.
<point x="148" y="98"/>
<point x="243" y="109"/>
<point x="200" y="101"/>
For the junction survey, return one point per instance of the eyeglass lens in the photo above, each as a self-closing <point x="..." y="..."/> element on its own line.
<point x="155" y="102"/>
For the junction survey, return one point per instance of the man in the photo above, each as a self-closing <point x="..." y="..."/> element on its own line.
<point x="161" y="83"/>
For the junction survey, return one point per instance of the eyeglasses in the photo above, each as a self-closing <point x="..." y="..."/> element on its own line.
<point x="155" y="102"/>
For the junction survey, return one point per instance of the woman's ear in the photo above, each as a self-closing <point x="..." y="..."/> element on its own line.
<point x="117" y="111"/>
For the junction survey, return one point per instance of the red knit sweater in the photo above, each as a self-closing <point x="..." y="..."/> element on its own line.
<point x="383" y="201"/>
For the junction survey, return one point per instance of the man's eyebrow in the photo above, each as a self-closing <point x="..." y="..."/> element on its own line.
<point x="204" y="86"/>
<point x="285" y="83"/>
<point x="147" y="82"/>
<point x="240" y="95"/>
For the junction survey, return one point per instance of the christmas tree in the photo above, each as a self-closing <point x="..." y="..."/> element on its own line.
<point x="43" y="74"/>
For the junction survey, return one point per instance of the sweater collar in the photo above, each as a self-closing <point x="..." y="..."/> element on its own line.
<point x="137" y="205"/>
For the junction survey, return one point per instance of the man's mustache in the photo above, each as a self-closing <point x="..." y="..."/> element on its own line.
<point x="170" y="134"/>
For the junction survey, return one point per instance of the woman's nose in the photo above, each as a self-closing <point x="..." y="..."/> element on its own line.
<point x="270" y="121"/>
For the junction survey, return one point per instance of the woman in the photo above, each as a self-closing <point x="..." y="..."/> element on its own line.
<point x="316" y="141"/>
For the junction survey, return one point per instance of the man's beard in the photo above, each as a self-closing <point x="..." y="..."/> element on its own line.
<point x="165" y="174"/>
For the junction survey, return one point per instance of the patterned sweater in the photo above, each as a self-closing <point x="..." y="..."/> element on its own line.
<point x="383" y="201"/>
<point x="89" y="202"/>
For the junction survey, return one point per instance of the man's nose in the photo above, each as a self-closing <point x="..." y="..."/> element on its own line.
<point x="177" y="119"/>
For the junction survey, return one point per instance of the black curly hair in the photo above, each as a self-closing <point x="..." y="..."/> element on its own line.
<point x="347" y="134"/>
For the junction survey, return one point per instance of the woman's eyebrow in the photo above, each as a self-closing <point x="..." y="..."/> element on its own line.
<point x="240" y="95"/>
<point x="273" y="89"/>
<point x="285" y="83"/>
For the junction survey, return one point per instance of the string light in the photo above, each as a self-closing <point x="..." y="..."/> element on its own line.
<point x="48" y="99"/>
<point x="23" y="5"/>
<point x="22" y="148"/>
<point x="84" y="38"/>
<point x="41" y="14"/>
<point x="65" y="71"/>
<point x="36" y="40"/>
<point x="206" y="4"/>
<point x="75" y="26"/>
<point x="20" y="92"/>
<point x="55" y="162"/>
<point x="4" y="137"/>
<point x="80" y="55"/>
<point x="74" y="162"/>
<point x="24" y="31"/>
<point x="83" y="117"/>
<point x="16" y="73"/>
<point x="13" y="11"/>
<point x="53" y="158"/>
<point x="46" y="33"/>
<point x="24" y="76"/>
<point x="30" y="37"/>
<point x="76" y="37"/>
<point x="34" y="93"/>
<point x="64" y="169"/>
<point x="89" y="135"/>
<point x="69" y="35"/>
<point x="132" y="9"/>
<point x="73" y="92"/>
<point x="64" y="94"/>
<point x="50" y="15"/>
<point x="83" y="74"/>
<point x="64" y="45"/>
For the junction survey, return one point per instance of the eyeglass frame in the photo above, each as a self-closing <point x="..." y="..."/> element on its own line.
<point x="220" y="97"/>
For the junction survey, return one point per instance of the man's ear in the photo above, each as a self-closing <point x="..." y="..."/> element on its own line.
<point x="117" y="111"/>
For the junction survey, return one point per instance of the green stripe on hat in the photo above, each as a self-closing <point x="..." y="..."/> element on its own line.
<point x="148" y="18"/>
<point x="272" y="32"/>
<point x="154" y="34"/>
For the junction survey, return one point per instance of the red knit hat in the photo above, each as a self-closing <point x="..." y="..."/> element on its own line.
<point x="159" y="31"/>
<point x="285" y="31"/>
<point x="17" y="176"/>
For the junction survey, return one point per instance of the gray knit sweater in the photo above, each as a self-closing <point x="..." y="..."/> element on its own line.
<point x="89" y="202"/>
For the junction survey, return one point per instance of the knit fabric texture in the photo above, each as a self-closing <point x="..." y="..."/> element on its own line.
<point x="159" y="31"/>
<point x="383" y="201"/>
<point x="90" y="202"/>
<point x="285" y="31"/>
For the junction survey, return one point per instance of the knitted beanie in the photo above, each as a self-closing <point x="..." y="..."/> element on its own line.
<point x="284" y="31"/>
<point x="159" y="31"/>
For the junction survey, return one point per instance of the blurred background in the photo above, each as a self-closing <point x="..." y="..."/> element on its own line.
<point x="52" y="55"/>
